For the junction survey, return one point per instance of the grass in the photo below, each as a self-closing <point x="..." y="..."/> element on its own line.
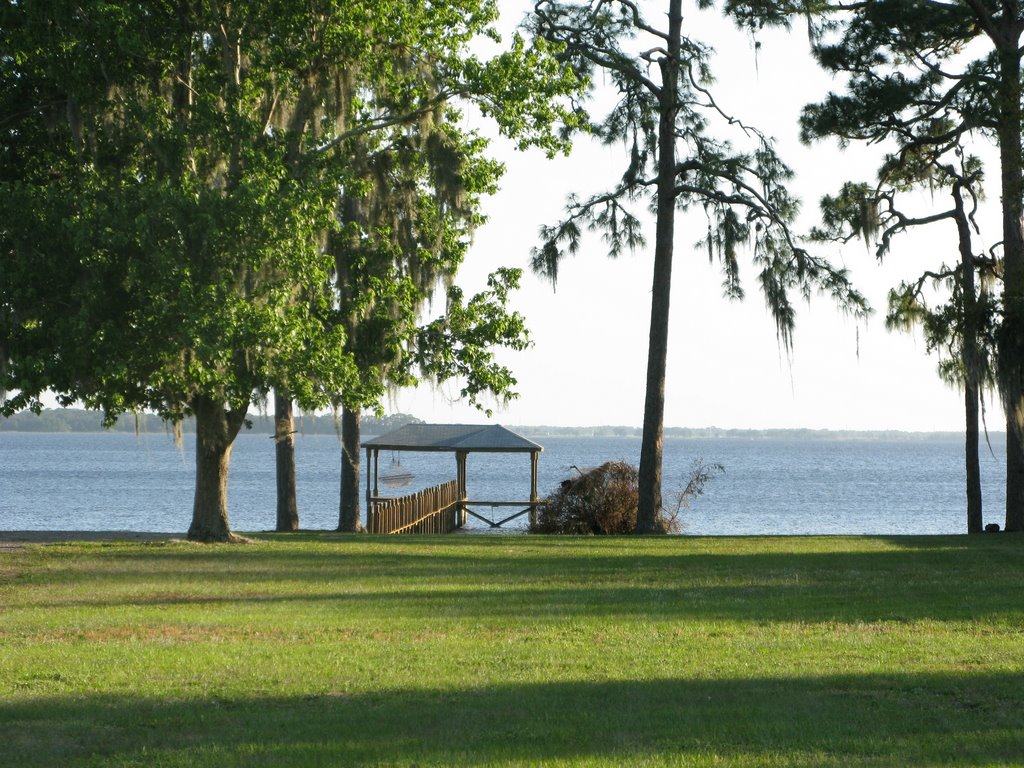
<point x="327" y="650"/>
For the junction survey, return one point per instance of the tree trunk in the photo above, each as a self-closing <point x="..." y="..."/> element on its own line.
<point x="348" y="515"/>
<point x="284" y="448"/>
<point x="975" y="518"/>
<point x="649" y="512"/>
<point x="216" y="429"/>
<point x="1011" y="336"/>
<point x="970" y="358"/>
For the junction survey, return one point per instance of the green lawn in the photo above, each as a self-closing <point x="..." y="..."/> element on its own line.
<point x="312" y="650"/>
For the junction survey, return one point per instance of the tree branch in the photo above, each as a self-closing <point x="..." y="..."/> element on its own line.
<point x="638" y="21"/>
<point x="986" y="21"/>
<point x="425" y="108"/>
<point x="590" y="49"/>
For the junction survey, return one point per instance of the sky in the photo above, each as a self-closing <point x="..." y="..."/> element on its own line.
<point x="726" y="368"/>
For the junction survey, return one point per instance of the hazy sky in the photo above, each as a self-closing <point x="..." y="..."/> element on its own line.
<point x="726" y="368"/>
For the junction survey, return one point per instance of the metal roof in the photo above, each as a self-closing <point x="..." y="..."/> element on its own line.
<point x="453" y="437"/>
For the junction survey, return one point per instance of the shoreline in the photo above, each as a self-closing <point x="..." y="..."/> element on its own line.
<point x="9" y="539"/>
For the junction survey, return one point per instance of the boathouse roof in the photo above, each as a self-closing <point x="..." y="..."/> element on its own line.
<point x="492" y="438"/>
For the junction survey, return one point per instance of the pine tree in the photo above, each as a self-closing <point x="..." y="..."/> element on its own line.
<point x="666" y="114"/>
<point x="913" y="65"/>
<point x="961" y="329"/>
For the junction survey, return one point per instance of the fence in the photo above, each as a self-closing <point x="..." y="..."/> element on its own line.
<point x="432" y="510"/>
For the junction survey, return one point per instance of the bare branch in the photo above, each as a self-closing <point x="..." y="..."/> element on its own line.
<point x="713" y="104"/>
<point x="904" y="222"/>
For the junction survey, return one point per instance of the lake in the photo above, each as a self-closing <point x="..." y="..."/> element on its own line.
<point x="88" y="481"/>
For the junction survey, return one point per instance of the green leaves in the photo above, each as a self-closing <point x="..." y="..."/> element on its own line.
<point x="942" y="323"/>
<point x="853" y="212"/>
<point x="460" y="344"/>
<point x="523" y="90"/>
<point x="192" y="168"/>
<point x="620" y="229"/>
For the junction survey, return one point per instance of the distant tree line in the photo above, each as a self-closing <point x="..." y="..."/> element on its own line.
<point x="80" y="420"/>
<point x="717" y="433"/>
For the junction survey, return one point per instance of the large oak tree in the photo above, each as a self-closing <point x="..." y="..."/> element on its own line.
<point x="171" y="173"/>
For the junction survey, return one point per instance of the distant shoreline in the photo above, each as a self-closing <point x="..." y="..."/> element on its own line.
<point x="718" y="433"/>
<point x="73" y="420"/>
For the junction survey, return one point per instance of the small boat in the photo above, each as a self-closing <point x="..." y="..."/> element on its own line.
<point x="396" y="476"/>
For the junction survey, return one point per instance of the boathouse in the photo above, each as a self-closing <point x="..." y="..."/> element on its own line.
<point x="445" y="507"/>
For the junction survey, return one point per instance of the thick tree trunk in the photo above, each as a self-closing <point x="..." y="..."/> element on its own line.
<point x="216" y="429"/>
<point x="649" y="512"/>
<point x="1011" y="337"/>
<point x="348" y="514"/>
<point x="970" y="358"/>
<point x="284" y="449"/>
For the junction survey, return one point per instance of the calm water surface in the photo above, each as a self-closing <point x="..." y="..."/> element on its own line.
<point x="770" y="486"/>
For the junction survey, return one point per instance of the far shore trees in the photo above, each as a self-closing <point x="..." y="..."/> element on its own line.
<point x="666" y="115"/>
<point x="170" y="172"/>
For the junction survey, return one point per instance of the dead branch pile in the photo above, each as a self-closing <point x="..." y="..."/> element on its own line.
<point x="602" y="500"/>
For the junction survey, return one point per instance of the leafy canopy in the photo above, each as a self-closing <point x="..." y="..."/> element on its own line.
<point x="171" y="173"/>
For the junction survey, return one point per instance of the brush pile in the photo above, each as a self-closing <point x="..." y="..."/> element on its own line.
<point x="602" y="500"/>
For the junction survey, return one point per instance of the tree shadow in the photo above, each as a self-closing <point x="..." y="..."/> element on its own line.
<point x="936" y="578"/>
<point x="907" y="719"/>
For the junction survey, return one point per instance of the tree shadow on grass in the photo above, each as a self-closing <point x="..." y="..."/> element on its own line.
<point x="938" y="578"/>
<point x="907" y="720"/>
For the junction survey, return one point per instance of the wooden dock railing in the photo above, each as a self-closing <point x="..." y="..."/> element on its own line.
<point x="432" y="510"/>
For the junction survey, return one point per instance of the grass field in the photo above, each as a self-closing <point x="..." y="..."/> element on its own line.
<point x="326" y="650"/>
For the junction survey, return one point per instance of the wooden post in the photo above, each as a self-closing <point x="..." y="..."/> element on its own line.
<point x="460" y="460"/>
<point x="534" y="461"/>
<point x="376" y="471"/>
<point x="369" y="504"/>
